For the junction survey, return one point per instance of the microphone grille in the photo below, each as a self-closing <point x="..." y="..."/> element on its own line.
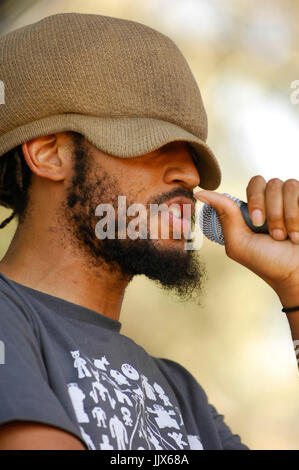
<point x="210" y="224"/>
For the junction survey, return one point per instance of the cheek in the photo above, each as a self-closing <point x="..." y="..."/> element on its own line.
<point x="133" y="179"/>
<point x="135" y="185"/>
<point x="137" y="171"/>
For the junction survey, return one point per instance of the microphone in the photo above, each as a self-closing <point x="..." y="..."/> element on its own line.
<point x="211" y="227"/>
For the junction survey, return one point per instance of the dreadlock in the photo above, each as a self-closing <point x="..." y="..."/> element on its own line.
<point x="15" y="179"/>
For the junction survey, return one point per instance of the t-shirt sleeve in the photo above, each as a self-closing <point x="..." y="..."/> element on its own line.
<point x="25" y="393"/>
<point x="193" y="399"/>
<point x="229" y="440"/>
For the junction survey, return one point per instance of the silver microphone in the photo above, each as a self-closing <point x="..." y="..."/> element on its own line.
<point x="211" y="227"/>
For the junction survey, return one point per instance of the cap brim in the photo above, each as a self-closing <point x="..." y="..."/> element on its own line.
<point x="121" y="137"/>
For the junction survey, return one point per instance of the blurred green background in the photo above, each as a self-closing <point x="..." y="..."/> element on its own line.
<point x="244" y="56"/>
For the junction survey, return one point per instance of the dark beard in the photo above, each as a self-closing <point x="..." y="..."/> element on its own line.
<point x="172" y="268"/>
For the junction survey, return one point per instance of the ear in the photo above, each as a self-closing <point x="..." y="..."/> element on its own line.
<point x="45" y="158"/>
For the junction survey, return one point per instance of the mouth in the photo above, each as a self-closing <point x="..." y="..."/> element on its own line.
<point x="181" y="207"/>
<point x="179" y="215"/>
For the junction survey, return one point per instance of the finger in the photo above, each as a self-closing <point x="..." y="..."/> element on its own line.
<point x="291" y="208"/>
<point x="233" y="225"/>
<point x="256" y="200"/>
<point x="275" y="209"/>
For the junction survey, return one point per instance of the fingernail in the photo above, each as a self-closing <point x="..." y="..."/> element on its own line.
<point x="257" y="218"/>
<point x="294" y="236"/>
<point x="278" y="234"/>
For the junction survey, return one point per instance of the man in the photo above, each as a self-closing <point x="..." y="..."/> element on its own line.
<point x="98" y="108"/>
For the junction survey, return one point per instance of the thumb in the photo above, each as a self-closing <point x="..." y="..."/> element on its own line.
<point x="229" y="213"/>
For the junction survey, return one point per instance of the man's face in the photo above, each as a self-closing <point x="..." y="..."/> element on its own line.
<point x="167" y="175"/>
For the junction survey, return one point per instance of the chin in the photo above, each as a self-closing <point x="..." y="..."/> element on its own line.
<point x="177" y="244"/>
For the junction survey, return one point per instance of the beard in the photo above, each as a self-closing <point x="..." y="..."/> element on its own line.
<point x="172" y="268"/>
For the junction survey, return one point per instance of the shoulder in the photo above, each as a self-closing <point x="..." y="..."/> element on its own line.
<point x="15" y="310"/>
<point x="174" y="367"/>
<point x="180" y="377"/>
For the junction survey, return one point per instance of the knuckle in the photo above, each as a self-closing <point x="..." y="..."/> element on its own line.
<point x="274" y="218"/>
<point x="254" y="180"/>
<point x="291" y="183"/>
<point x="257" y="200"/>
<point x="274" y="182"/>
<point x="292" y="221"/>
<point x="235" y="209"/>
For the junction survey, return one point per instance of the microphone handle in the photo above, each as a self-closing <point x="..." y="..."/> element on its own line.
<point x="244" y="209"/>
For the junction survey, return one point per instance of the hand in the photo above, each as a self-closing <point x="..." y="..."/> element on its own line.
<point x="273" y="257"/>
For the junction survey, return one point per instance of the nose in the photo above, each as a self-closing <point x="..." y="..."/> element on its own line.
<point x="180" y="167"/>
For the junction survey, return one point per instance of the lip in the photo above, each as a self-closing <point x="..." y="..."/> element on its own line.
<point x="180" y="226"/>
<point x="180" y="200"/>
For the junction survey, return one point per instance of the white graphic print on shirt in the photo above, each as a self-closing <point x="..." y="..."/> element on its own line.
<point x="127" y="410"/>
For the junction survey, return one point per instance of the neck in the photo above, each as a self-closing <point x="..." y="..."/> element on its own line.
<point x="38" y="259"/>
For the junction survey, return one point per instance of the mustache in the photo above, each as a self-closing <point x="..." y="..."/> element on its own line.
<point x="160" y="199"/>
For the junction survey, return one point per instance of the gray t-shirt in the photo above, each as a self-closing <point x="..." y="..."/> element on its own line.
<point x="70" y="367"/>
